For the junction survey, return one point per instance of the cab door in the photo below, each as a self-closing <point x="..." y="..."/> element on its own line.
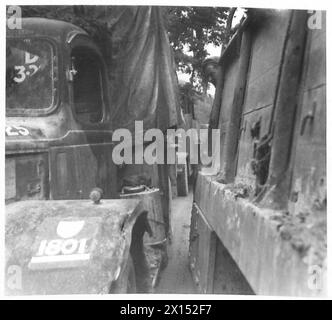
<point x="87" y="161"/>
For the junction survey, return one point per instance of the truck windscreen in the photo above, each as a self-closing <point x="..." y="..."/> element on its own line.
<point x="29" y="74"/>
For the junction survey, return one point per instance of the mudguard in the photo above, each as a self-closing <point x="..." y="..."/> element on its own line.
<point x="68" y="246"/>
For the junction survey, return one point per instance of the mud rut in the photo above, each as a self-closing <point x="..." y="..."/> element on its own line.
<point x="176" y="278"/>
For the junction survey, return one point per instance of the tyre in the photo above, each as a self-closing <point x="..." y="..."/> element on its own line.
<point x="182" y="181"/>
<point x="127" y="282"/>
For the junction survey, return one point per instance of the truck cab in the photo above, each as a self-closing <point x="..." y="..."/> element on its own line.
<point x="57" y="114"/>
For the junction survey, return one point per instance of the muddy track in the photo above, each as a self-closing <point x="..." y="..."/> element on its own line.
<point x="176" y="278"/>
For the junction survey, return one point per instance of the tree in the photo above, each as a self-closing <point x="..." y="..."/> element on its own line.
<point x="190" y="30"/>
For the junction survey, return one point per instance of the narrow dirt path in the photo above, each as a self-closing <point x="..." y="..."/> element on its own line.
<point x="176" y="278"/>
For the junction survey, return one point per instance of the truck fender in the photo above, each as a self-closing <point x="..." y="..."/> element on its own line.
<point x="71" y="246"/>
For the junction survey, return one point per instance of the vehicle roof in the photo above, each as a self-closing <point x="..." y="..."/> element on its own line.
<point x="45" y="27"/>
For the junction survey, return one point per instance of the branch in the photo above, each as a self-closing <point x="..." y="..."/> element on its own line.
<point x="229" y="23"/>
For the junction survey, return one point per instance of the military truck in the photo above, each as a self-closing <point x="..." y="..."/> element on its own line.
<point x="58" y="153"/>
<point x="259" y="213"/>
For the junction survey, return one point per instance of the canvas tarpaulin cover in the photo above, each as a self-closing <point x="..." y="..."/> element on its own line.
<point x="143" y="78"/>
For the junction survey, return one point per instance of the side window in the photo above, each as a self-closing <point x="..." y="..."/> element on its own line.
<point x="87" y="85"/>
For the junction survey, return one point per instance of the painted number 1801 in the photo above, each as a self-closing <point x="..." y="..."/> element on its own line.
<point x="61" y="247"/>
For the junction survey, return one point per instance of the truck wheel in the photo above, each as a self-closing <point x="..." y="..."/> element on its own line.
<point x="127" y="283"/>
<point x="182" y="182"/>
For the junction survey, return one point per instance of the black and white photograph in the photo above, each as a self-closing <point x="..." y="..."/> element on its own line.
<point x="165" y="150"/>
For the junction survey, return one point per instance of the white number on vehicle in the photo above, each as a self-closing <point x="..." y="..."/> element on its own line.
<point x="62" y="247"/>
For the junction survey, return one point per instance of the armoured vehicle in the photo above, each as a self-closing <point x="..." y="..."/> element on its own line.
<point x="259" y="213"/>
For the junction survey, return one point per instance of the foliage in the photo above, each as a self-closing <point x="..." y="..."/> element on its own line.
<point x="190" y="30"/>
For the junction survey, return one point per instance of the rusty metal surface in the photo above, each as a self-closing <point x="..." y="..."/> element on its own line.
<point x="62" y="267"/>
